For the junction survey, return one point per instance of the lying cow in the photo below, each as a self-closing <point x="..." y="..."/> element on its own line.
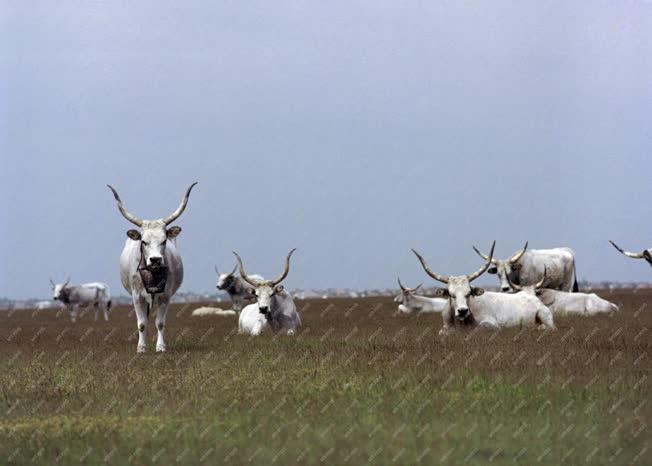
<point x="237" y="289"/>
<point x="525" y="267"/>
<point x="274" y="310"/>
<point x="562" y="302"/>
<point x="473" y="307"/>
<point x="411" y="302"/>
<point x="75" y="296"/>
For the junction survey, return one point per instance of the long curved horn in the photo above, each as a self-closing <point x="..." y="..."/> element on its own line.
<point x="243" y="274"/>
<point x="286" y="270"/>
<point x="401" y="284"/>
<point x="516" y="257"/>
<point x="436" y="276"/>
<point x="129" y="216"/>
<point x="543" y="280"/>
<point x="217" y="271"/>
<point x="66" y="283"/>
<point x="633" y="255"/>
<point x="484" y="268"/>
<point x="184" y="202"/>
<point x="235" y="267"/>
<point x="52" y="283"/>
<point x="493" y="261"/>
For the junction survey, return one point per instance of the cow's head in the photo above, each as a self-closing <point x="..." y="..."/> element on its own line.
<point x="458" y="290"/>
<point x="406" y="297"/>
<point x="59" y="291"/>
<point x="535" y="289"/>
<point x="506" y="270"/>
<point x="265" y="289"/>
<point x="153" y="234"/>
<point x="645" y="254"/>
<point x="225" y="280"/>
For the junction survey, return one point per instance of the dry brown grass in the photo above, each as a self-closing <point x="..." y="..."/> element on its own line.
<point x="358" y="384"/>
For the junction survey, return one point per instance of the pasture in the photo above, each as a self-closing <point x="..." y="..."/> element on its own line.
<point x="358" y="385"/>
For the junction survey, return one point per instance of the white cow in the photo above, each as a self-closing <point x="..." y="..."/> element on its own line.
<point x="410" y="302"/>
<point x="645" y="254"/>
<point x="526" y="268"/>
<point x="274" y="310"/>
<point x="151" y="269"/>
<point x="473" y="307"/>
<point x="75" y="296"/>
<point x="236" y="287"/>
<point x="562" y="302"/>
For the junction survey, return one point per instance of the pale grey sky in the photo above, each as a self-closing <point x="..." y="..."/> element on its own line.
<point x="352" y="130"/>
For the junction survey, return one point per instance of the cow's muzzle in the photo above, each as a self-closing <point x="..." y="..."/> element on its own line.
<point x="154" y="278"/>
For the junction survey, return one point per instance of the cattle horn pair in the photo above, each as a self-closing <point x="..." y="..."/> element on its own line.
<point x="445" y="279"/>
<point x="167" y="220"/>
<point x="235" y="267"/>
<point x="515" y="258"/>
<point x="538" y="285"/>
<point x="408" y="290"/>
<point x="63" y="286"/>
<point x="257" y="283"/>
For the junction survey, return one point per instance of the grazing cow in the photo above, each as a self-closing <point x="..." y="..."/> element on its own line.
<point x="645" y="254"/>
<point x="526" y="268"/>
<point x="75" y="296"/>
<point x="410" y="302"/>
<point x="562" y="302"/>
<point x="473" y="307"/>
<point x="236" y="287"/>
<point x="151" y="269"/>
<point x="274" y="309"/>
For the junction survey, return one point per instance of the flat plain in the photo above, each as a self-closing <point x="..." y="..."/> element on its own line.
<point x="358" y="385"/>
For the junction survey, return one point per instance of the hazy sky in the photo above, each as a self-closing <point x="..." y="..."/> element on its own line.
<point x="352" y="130"/>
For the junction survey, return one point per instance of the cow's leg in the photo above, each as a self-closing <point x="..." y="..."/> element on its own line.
<point x="96" y="305"/>
<point x="545" y="317"/>
<point x="403" y="309"/>
<point x="73" y="309"/>
<point x="140" y="306"/>
<point x="106" y="307"/>
<point x="161" y="314"/>
<point x="446" y="330"/>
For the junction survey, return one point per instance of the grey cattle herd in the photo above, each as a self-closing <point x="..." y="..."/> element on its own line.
<point x="536" y="285"/>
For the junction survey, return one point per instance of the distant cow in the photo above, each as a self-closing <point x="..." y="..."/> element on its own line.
<point x="274" y="310"/>
<point x="645" y="254"/>
<point x="526" y="268"/>
<point x="562" y="302"/>
<point x="75" y="296"/>
<point x="237" y="289"/>
<point x="411" y="302"/>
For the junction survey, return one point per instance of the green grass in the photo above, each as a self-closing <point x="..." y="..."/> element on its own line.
<point x="355" y="387"/>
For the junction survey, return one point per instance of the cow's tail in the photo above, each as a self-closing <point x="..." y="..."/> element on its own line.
<point x="576" y="288"/>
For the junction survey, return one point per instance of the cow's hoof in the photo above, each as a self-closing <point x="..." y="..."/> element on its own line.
<point x="161" y="349"/>
<point x="140" y="349"/>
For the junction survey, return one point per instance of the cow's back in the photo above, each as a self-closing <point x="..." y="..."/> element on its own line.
<point x="558" y="263"/>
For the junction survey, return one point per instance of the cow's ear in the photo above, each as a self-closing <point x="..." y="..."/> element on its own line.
<point x="516" y="267"/>
<point x="475" y="291"/>
<point x="279" y="288"/>
<point x="173" y="232"/>
<point x="134" y="234"/>
<point x="441" y="293"/>
<point x="492" y="270"/>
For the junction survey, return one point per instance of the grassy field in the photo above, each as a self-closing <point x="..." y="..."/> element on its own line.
<point x="358" y="385"/>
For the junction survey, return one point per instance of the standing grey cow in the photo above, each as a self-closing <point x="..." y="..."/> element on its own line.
<point x="526" y="267"/>
<point x="237" y="289"/>
<point x="645" y="254"/>
<point x="151" y="269"/>
<point x="75" y="296"/>
<point x="410" y="302"/>
<point x="274" y="310"/>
